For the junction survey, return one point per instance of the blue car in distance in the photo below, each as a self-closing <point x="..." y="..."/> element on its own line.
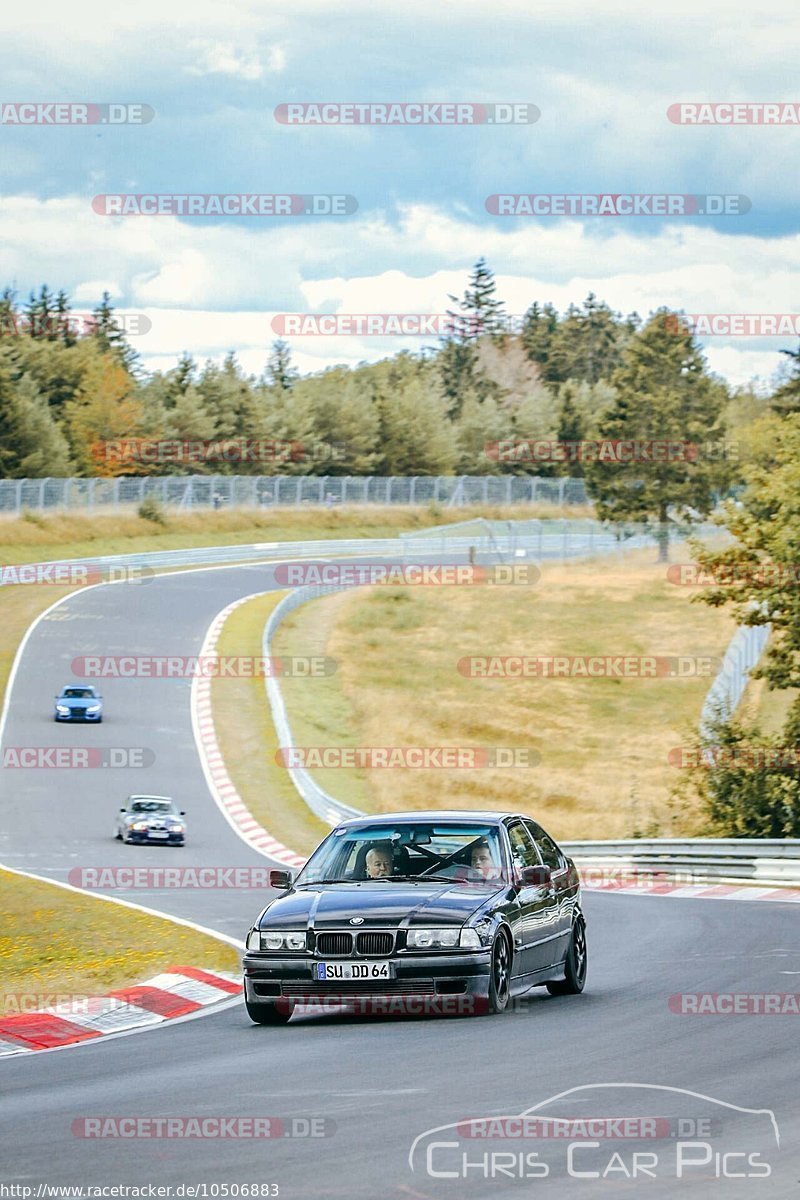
<point x="79" y="702"/>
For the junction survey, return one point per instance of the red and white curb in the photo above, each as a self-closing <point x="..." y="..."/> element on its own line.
<point x="175" y="993"/>
<point x="694" y="891"/>
<point x="219" y="781"/>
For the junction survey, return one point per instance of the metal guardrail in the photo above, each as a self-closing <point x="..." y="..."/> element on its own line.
<point x="277" y="491"/>
<point x="323" y="805"/>
<point x="769" y="861"/>
<point x="545" y="539"/>
<point x="744" y="650"/>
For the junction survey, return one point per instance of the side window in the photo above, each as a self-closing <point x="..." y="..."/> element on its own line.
<point x="551" y="856"/>
<point x="523" y="850"/>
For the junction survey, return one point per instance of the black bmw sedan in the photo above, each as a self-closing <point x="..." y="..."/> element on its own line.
<point x="419" y="913"/>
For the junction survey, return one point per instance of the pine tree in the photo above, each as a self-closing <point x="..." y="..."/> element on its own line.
<point x="279" y="371"/>
<point x="663" y="393"/>
<point x="31" y="443"/>
<point x="480" y="314"/>
<point x="110" y="336"/>
<point x="787" y="398"/>
<point x="571" y="427"/>
<point x="539" y="328"/>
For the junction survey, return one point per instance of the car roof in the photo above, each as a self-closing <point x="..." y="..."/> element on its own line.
<point x="90" y="686"/>
<point x="439" y="815"/>
<point x="142" y="796"/>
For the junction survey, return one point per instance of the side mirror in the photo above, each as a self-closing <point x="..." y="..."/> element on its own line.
<point x="183" y="812"/>
<point x="123" y="810"/>
<point x="536" y="877"/>
<point x="280" y="879"/>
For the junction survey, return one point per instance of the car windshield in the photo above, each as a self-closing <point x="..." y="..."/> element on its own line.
<point x="440" y="851"/>
<point x="78" y="693"/>
<point x="159" y="806"/>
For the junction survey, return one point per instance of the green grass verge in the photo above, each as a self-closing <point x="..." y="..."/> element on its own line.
<point x="52" y="941"/>
<point x="39" y="538"/>
<point x="603" y="743"/>
<point x="248" y="740"/>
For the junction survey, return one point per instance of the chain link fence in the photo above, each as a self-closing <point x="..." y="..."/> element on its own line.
<point x="273" y="491"/>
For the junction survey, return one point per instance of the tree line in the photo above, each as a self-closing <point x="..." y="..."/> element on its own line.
<point x="588" y="373"/>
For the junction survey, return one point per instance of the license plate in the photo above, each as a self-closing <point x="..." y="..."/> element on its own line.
<point x="327" y="971"/>
<point x="162" y="833"/>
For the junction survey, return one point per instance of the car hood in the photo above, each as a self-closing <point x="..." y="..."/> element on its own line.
<point x="329" y="906"/>
<point x="74" y="702"/>
<point x="156" y="819"/>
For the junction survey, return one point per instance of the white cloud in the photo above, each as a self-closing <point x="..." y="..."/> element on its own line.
<point x="92" y="290"/>
<point x="223" y="58"/>
<point x="211" y="288"/>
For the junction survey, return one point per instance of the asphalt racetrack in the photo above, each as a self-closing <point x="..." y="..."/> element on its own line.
<point x="723" y="1089"/>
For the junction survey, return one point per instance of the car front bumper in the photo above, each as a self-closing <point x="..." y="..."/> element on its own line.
<point x="138" y="835"/>
<point x="79" y="715"/>
<point x="424" y="984"/>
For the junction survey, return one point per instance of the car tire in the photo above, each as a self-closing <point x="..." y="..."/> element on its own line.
<point x="500" y="974"/>
<point x="574" y="965"/>
<point x="269" y="1014"/>
<point x="118" y="836"/>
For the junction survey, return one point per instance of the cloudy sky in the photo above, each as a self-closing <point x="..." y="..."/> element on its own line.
<point x="602" y="72"/>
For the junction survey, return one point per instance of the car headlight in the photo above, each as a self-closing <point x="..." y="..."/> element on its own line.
<point x="470" y="940"/>
<point x="139" y="826"/>
<point x="432" y="939"/>
<point x="93" y="708"/>
<point x="276" y="939"/>
<point x="62" y="708"/>
<point x="177" y="827"/>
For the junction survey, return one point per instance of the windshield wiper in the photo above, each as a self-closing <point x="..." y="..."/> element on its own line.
<point x="439" y="878"/>
<point x="314" y="882"/>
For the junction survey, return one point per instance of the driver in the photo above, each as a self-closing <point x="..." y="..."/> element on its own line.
<point x="481" y="860"/>
<point x="379" y="861"/>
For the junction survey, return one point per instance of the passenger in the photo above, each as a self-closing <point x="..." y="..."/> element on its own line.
<point x="379" y="861"/>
